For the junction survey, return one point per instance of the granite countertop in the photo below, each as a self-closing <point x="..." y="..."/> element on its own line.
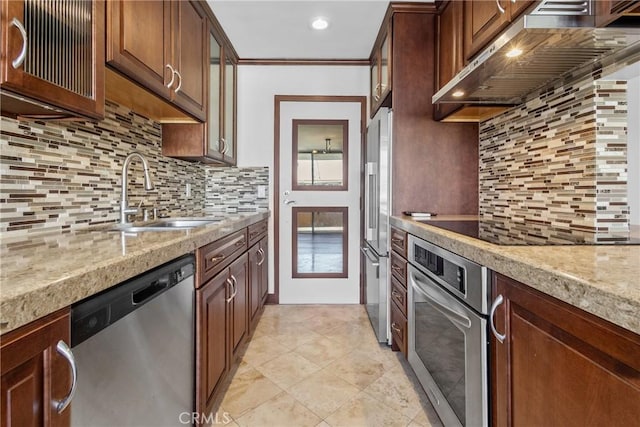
<point x="603" y="279"/>
<point x="42" y="274"/>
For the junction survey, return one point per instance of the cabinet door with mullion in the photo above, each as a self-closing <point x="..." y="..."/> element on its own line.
<point x="53" y="52"/>
<point x="229" y="134"/>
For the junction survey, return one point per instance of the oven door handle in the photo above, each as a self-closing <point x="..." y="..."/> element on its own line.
<point x="438" y="302"/>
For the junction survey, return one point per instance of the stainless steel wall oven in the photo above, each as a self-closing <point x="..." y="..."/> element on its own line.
<point x="447" y="343"/>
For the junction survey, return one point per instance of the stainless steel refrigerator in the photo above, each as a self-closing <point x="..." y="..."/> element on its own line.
<point x="375" y="248"/>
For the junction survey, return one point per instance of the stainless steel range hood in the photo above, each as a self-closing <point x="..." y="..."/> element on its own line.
<point x="557" y="39"/>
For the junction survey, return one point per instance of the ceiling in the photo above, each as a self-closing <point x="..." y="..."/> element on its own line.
<point x="282" y="29"/>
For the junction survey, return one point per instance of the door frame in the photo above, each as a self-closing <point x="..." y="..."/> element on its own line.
<point x="274" y="298"/>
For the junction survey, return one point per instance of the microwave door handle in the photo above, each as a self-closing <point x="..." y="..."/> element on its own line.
<point x="440" y="303"/>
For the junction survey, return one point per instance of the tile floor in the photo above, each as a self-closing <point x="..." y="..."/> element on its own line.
<point x="320" y="365"/>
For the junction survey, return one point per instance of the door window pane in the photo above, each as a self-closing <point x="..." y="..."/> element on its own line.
<point x="320" y="242"/>
<point x="320" y="155"/>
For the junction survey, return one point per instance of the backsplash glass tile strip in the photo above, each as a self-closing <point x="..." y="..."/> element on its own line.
<point x="559" y="158"/>
<point x="234" y="189"/>
<point x="66" y="176"/>
<point x="60" y="176"/>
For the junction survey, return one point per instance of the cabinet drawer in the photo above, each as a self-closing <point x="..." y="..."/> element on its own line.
<point x="398" y="329"/>
<point x="257" y="231"/>
<point x="399" y="295"/>
<point x="399" y="241"/>
<point x="399" y="268"/>
<point x="215" y="256"/>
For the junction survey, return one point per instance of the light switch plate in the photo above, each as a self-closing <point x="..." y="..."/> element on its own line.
<point x="262" y="191"/>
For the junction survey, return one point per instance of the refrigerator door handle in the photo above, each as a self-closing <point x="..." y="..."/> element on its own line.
<point x="372" y="210"/>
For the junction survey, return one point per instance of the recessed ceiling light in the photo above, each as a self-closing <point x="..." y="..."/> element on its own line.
<point x="319" y="23"/>
<point x="514" y="52"/>
<point x="458" y="93"/>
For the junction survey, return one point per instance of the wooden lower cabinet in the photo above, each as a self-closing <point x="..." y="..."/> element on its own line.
<point x="239" y="276"/>
<point x="34" y="374"/>
<point x="559" y="365"/>
<point x="213" y="328"/>
<point x="258" y="280"/>
<point x="227" y="309"/>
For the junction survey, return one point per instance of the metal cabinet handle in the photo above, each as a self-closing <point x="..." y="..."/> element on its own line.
<point x="235" y="286"/>
<point x="240" y="243"/>
<point x="396" y="268"/>
<point x="500" y="8"/>
<point x="262" y="257"/>
<point x="230" y="283"/>
<point x="395" y="328"/>
<point x="289" y="202"/>
<point x="396" y="294"/>
<point x="65" y="352"/>
<point x="173" y="75"/>
<point x="179" y="82"/>
<point x="225" y="147"/>
<point x="23" y="52"/>
<point x="217" y="258"/>
<point x="397" y="240"/>
<point x="494" y="307"/>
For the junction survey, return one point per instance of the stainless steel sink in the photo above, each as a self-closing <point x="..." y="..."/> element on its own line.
<point x="168" y="224"/>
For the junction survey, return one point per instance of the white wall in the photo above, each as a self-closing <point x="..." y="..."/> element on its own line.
<point x="257" y="87"/>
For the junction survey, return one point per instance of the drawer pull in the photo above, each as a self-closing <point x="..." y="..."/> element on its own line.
<point x="395" y="328"/>
<point x="396" y="268"/>
<point x="396" y="294"/>
<point x="218" y="258"/>
<point x="240" y="243"/>
<point x="397" y="240"/>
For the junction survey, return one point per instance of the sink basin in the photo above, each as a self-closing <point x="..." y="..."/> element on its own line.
<point x="168" y="224"/>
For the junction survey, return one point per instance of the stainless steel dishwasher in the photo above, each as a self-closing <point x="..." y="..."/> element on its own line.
<point x="134" y="345"/>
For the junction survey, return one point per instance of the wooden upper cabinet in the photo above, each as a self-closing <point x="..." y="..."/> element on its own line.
<point x="484" y="19"/>
<point x="215" y="140"/>
<point x="381" y="70"/>
<point x="608" y="11"/>
<point x="35" y="375"/>
<point x="62" y="68"/>
<point x="559" y="365"/>
<point x="191" y="57"/>
<point x="162" y="46"/>
<point x="449" y="51"/>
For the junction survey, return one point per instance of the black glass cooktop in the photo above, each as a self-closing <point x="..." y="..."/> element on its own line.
<point x="529" y="233"/>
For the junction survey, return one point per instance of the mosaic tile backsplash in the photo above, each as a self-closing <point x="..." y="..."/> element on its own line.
<point x="233" y="190"/>
<point x="63" y="176"/>
<point x="559" y="159"/>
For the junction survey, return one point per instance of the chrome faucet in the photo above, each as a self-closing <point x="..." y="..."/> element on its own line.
<point x="125" y="209"/>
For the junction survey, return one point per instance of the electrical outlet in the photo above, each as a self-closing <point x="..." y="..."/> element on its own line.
<point x="262" y="191"/>
<point x="187" y="190"/>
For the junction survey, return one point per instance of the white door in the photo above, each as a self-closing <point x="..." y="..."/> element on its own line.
<point x="319" y="222"/>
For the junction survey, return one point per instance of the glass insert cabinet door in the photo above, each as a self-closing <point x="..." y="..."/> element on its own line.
<point x="320" y="242"/>
<point x="320" y="155"/>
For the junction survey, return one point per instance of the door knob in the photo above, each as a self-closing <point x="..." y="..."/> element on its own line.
<point x="289" y="202"/>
